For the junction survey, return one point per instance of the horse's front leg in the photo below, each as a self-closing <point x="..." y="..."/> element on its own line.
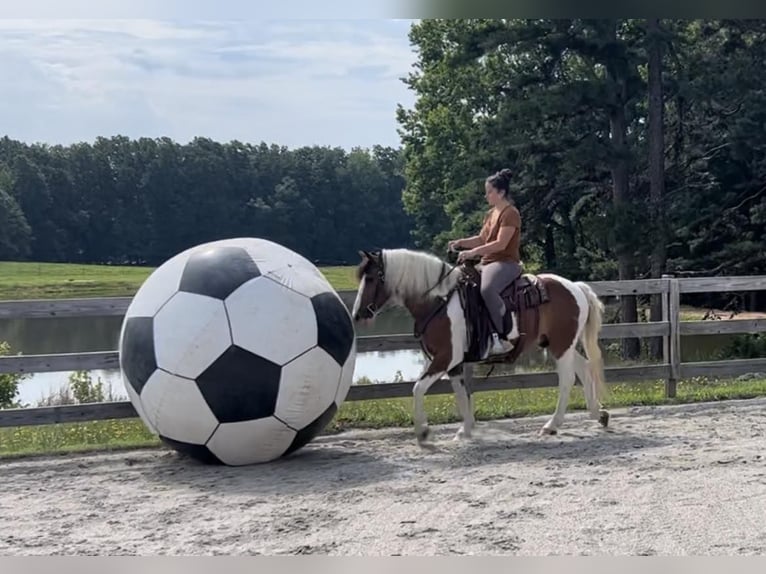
<point x="438" y="337"/>
<point x="428" y="378"/>
<point x="565" y="366"/>
<point x="464" y="402"/>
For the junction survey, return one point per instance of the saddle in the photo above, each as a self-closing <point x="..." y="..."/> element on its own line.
<point x="523" y="294"/>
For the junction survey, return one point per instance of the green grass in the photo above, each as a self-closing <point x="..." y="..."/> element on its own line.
<point x="492" y="405"/>
<point x="63" y="280"/>
<point x="382" y="413"/>
<point x="341" y="278"/>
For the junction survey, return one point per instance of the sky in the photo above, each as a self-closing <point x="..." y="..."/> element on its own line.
<point x="290" y="82"/>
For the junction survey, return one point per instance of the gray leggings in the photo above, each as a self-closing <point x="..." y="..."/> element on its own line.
<point x="495" y="277"/>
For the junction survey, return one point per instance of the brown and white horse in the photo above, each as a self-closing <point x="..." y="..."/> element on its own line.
<point x="419" y="281"/>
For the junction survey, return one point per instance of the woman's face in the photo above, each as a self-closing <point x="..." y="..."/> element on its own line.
<point x="493" y="195"/>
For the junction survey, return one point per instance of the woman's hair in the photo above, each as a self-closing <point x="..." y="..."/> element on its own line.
<point x="501" y="180"/>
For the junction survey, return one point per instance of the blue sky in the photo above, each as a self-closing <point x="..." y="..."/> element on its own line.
<point x="290" y="82"/>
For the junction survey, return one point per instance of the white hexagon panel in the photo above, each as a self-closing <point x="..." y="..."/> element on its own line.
<point x="307" y="281"/>
<point x="275" y="260"/>
<point x="135" y="400"/>
<point x="160" y="286"/>
<point x="251" y="442"/>
<point x="271" y="321"/>
<point x="176" y="408"/>
<point x="308" y="388"/>
<point x="190" y="332"/>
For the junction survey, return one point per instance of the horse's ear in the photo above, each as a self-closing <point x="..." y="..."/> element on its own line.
<point x="364" y="254"/>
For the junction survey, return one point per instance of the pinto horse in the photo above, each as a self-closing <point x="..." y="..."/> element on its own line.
<point x="452" y="324"/>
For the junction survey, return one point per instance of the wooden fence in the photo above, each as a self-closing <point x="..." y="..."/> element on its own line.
<point x="670" y="328"/>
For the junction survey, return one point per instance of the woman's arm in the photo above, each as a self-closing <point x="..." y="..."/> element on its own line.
<point x="468" y="242"/>
<point x="504" y="236"/>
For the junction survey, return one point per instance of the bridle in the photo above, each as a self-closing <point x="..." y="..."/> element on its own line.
<point x="371" y="308"/>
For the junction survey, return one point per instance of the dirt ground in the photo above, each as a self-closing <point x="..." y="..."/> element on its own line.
<point x="665" y="480"/>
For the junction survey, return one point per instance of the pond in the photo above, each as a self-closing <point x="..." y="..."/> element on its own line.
<point x="91" y="334"/>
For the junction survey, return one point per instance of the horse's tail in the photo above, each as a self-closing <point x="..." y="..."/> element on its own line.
<point x="590" y="338"/>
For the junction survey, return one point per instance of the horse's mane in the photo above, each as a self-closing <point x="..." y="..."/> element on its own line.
<point x="411" y="273"/>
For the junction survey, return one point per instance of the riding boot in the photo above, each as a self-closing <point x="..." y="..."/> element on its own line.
<point x="500" y="345"/>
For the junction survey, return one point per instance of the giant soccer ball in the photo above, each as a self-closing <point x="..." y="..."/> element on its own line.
<point x="237" y="351"/>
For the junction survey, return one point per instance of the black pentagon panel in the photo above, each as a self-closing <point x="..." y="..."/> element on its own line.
<point x="137" y="351"/>
<point x="218" y="271"/>
<point x="198" y="452"/>
<point x="335" y="329"/>
<point x="240" y="386"/>
<point x="311" y="430"/>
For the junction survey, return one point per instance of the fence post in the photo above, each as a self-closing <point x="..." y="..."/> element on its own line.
<point x="671" y="348"/>
<point x="666" y="319"/>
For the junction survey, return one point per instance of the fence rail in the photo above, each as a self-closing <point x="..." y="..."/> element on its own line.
<point x="670" y="328"/>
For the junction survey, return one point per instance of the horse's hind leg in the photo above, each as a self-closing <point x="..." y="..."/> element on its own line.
<point x="595" y="408"/>
<point x="589" y="390"/>
<point x="464" y="403"/>
<point x="566" y="370"/>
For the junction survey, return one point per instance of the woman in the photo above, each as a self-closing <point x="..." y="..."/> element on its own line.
<point x="498" y="246"/>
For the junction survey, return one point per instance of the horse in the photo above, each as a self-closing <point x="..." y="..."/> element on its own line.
<point x="452" y="324"/>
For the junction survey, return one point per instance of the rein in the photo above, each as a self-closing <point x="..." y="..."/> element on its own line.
<point x="442" y="276"/>
<point x="418" y="332"/>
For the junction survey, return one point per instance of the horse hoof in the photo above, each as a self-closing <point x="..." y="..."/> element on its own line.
<point x="548" y="431"/>
<point x="462" y="435"/>
<point x="603" y="418"/>
<point x="423" y="435"/>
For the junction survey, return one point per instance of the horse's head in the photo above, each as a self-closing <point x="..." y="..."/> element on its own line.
<point x="372" y="294"/>
<point x="399" y="277"/>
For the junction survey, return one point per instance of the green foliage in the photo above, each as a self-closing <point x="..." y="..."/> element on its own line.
<point x="9" y="382"/>
<point x="745" y="346"/>
<point x="122" y="201"/>
<point x="80" y="389"/>
<point x="716" y="115"/>
<point x="539" y="96"/>
<point x="84" y="389"/>
<point x="15" y="233"/>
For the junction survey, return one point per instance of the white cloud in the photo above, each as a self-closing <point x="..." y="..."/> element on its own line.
<point x="286" y="82"/>
<point x="136" y="28"/>
<point x="204" y="9"/>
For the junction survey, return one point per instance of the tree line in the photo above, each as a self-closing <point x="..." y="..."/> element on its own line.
<point x="124" y="201"/>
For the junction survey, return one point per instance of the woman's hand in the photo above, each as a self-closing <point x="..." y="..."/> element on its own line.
<point x="454" y="244"/>
<point x="469" y="254"/>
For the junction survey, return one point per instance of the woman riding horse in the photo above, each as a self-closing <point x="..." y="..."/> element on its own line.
<point x="498" y="246"/>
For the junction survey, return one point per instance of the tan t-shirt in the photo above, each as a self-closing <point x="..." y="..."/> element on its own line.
<point x="508" y="217"/>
